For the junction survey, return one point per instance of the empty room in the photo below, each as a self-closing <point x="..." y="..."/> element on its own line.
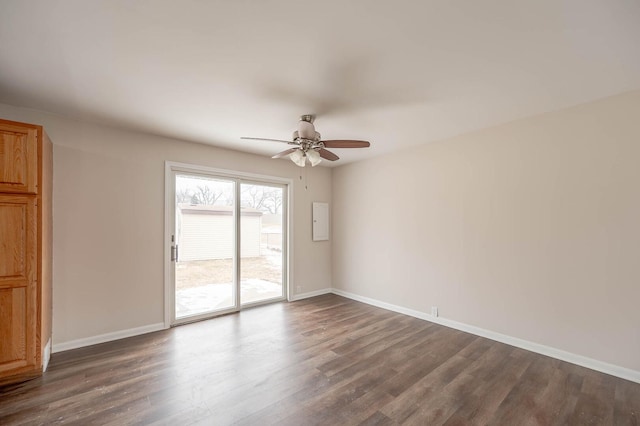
<point x="319" y="213"/>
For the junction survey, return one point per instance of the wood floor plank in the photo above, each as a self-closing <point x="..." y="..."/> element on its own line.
<point x="627" y="404"/>
<point x="481" y="406"/>
<point x="326" y="360"/>
<point x="377" y="419"/>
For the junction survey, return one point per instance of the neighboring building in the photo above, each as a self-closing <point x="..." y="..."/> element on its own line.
<point x="206" y="232"/>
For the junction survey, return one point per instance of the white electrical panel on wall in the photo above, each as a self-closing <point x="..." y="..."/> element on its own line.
<point x="320" y="221"/>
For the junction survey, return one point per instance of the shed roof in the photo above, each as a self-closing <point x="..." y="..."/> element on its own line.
<point x="216" y="210"/>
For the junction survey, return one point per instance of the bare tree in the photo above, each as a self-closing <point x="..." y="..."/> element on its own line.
<point x="201" y="195"/>
<point x="274" y="201"/>
<point x="205" y="195"/>
<point x="262" y="198"/>
<point x="183" y="196"/>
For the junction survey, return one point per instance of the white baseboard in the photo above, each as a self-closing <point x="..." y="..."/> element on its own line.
<point x="311" y="294"/>
<point x="593" y="364"/>
<point x="46" y="355"/>
<point x="107" y="337"/>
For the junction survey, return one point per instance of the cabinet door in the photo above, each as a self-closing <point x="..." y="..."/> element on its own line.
<point x="18" y="158"/>
<point x="18" y="293"/>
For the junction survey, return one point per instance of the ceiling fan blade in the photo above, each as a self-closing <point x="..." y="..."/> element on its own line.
<point x="328" y="155"/>
<point x="284" y="153"/>
<point x="346" y="144"/>
<point x="265" y="139"/>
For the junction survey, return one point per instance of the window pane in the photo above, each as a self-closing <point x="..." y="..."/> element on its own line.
<point x="261" y="225"/>
<point x="205" y="239"/>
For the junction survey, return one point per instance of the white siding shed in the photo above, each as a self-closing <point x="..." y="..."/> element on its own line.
<point x="206" y="232"/>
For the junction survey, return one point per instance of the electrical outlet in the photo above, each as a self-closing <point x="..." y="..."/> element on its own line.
<point x="434" y="311"/>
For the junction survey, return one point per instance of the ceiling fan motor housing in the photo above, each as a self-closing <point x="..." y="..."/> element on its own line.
<point x="306" y="130"/>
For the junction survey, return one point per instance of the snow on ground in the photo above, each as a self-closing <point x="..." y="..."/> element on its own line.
<point x="205" y="298"/>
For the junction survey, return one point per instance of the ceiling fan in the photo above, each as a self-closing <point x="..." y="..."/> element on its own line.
<point x="309" y="146"/>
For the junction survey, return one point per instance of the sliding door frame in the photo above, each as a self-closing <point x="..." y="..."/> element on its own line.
<point x="172" y="167"/>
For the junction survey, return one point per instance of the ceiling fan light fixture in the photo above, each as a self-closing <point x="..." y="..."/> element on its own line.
<point x="298" y="157"/>
<point x="314" y="157"/>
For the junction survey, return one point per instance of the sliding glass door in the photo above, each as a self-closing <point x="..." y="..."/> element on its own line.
<point x="227" y="243"/>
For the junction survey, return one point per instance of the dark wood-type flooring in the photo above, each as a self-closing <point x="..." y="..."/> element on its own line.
<point x="326" y="360"/>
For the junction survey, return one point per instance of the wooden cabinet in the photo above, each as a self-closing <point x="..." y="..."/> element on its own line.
<point x="25" y="250"/>
<point x="18" y="158"/>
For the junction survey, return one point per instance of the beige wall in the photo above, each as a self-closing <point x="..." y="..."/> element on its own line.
<point x="109" y="221"/>
<point x="530" y="229"/>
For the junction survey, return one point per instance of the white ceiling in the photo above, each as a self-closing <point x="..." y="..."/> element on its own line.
<point x="397" y="73"/>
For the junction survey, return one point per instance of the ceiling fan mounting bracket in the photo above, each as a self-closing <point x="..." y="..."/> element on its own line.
<point x="309" y="118"/>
